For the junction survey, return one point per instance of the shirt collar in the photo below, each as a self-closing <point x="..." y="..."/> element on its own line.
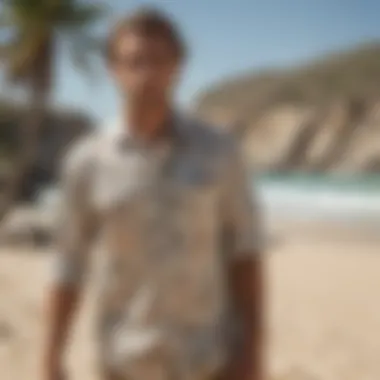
<point x="172" y="135"/>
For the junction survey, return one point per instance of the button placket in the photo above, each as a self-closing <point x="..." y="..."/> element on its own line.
<point x="167" y="203"/>
<point x="166" y="229"/>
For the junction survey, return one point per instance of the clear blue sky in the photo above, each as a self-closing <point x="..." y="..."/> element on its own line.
<point x="230" y="36"/>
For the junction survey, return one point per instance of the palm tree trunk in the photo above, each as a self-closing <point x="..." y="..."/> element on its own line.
<point x="40" y="84"/>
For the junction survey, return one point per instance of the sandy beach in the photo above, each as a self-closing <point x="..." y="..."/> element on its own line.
<point x="323" y="312"/>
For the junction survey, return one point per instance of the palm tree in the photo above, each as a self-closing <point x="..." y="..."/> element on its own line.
<point x="33" y="32"/>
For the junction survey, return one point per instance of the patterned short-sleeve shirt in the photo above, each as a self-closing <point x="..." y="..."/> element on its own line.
<point x="170" y="216"/>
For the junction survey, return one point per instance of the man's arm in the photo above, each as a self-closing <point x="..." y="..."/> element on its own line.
<point x="61" y="304"/>
<point x="247" y="288"/>
<point x="74" y="240"/>
<point x="245" y="268"/>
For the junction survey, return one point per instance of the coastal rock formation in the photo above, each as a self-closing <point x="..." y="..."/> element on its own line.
<point x="323" y="117"/>
<point x="60" y="128"/>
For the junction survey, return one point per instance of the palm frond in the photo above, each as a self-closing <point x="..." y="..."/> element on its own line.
<point x="35" y="21"/>
<point x="20" y="55"/>
<point x="81" y="15"/>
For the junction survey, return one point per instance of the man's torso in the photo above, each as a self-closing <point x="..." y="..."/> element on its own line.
<point x="164" y="309"/>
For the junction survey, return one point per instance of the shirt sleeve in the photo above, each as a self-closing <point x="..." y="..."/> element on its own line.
<point x="243" y="224"/>
<point x="77" y="220"/>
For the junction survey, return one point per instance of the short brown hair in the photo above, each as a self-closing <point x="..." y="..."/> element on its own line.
<point x="148" y="22"/>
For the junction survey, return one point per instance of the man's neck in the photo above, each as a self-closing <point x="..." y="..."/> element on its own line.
<point x="147" y="123"/>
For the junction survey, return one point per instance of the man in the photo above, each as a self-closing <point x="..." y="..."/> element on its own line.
<point x="168" y="200"/>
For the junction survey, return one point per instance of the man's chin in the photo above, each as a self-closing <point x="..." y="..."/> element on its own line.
<point x="149" y="100"/>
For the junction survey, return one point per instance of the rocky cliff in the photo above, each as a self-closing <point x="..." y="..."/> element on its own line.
<point x="60" y="128"/>
<point x="321" y="117"/>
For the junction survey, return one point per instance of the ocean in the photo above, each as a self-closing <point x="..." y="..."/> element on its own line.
<point x="305" y="197"/>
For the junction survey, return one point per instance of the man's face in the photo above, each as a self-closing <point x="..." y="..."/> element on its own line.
<point x="145" y="67"/>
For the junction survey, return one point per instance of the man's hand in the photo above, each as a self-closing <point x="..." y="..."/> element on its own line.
<point x="53" y="372"/>
<point x="248" y="366"/>
<point x="246" y="281"/>
<point x="62" y="303"/>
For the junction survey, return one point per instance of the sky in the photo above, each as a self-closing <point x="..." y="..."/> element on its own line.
<point x="231" y="36"/>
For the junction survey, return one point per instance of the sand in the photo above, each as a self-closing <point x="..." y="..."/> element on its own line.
<point x="323" y="313"/>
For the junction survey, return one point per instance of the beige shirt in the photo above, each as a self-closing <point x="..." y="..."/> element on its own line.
<point x="170" y="216"/>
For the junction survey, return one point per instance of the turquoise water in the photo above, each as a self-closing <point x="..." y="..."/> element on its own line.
<point x="300" y="195"/>
<point x="308" y="196"/>
<point x="366" y="184"/>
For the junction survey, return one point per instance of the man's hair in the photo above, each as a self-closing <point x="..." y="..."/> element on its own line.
<point x="151" y="23"/>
